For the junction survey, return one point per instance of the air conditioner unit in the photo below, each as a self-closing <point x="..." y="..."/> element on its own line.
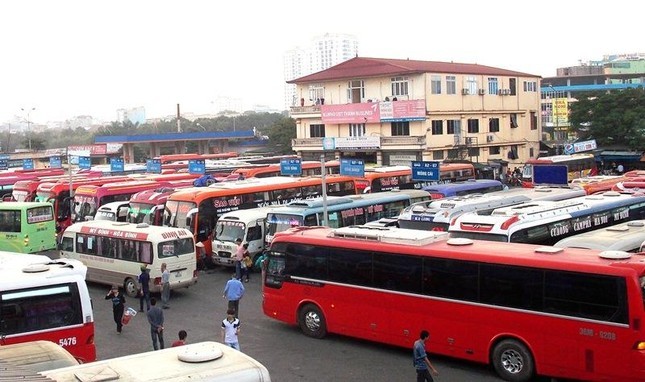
<point x="465" y="91"/>
<point x="489" y="138"/>
<point x="482" y="91"/>
<point x="507" y="91"/>
<point x="500" y="91"/>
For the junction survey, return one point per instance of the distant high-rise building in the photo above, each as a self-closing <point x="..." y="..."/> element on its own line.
<point x="134" y="115"/>
<point x="324" y="52"/>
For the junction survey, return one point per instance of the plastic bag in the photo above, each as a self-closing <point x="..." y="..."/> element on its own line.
<point x="128" y="314"/>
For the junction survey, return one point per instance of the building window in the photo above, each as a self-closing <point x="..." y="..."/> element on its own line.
<point x="531" y="152"/>
<point x="493" y="86"/>
<point x="453" y="154"/>
<point x="473" y="151"/>
<point x="356" y="129"/>
<point x="400" y="86"/>
<point x="437" y="127"/>
<point x="533" y="121"/>
<point x="530" y="86"/>
<point x="471" y="84"/>
<point x="473" y="126"/>
<point x="454" y="127"/>
<point x="494" y="150"/>
<point x="355" y="91"/>
<point x="512" y="153"/>
<point x="437" y="155"/>
<point x="317" y="93"/>
<point x="451" y="85"/>
<point x="435" y="84"/>
<point x="512" y="85"/>
<point x="493" y="125"/>
<point x="317" y="131"/>
<point x="513" y="120"/>
<point x="400" y="128"/>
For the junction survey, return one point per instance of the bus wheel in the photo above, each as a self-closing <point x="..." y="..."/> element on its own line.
<point x="130" y="287"/>
<point x="312" y="321"/>
<point x="513" y="361"/>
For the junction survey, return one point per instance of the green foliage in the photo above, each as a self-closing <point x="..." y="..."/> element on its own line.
<point x="611" y="118"/>
<point x="280" y="135"/>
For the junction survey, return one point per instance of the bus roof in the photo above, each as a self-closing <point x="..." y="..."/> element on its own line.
<point x="425" y="243"/>
<point x="203" y="361"/>
<point x="462" y="185"/>
<point x="628" y="236"/>
<point x="560" y="158"/>
<point x="19" y="270"/>
<point x="22" y="205"/>
<point x="248" y="214"/>
<point x="133" y="231"/>
<point x="36" y="356"/>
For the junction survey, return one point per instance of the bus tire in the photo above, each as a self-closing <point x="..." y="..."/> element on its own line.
<point x="130" y="287"/>
<point x="513" y="361"/>
<point x="312" y="321"/>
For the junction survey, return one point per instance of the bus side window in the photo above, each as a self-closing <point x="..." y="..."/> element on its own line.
<point x="67" y="244"/>
<point x="255" y="233"/>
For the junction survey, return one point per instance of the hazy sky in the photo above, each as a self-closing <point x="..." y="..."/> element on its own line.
<point x="67" y="58"/>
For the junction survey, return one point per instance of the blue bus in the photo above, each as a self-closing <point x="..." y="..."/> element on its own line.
<point x="342" y="211"/>
<point x="471" y="186"/>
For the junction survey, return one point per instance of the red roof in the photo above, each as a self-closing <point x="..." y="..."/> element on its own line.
<point x="378" y="67"/>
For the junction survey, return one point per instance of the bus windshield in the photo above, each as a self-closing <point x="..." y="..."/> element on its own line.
<point x="176" y="213"/>
<point x="85" y="206"/>
<point x="282" y="222"/>
<point x="229" y="230"/>
<point x="141" y="213"/>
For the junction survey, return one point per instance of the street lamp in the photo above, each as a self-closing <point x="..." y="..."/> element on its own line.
<point x="28" y="111"/>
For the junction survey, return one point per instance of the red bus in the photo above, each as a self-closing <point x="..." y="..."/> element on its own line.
<point x="9" y="178"/>
<point x="44" y="299"/>
<point x="25" y="190"/>
<point x="389" y="178"/>
<point x="526" y="309"/>
<point x="148" y="206"/>
<point x="309" y="168"/>
<point x="197" y="209"/>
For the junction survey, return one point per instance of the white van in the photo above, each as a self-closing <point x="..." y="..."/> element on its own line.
<point x="114" y="211"/>
<point x="203" y="361"/>
<point x="248" y="225"/>
<point x="627" y="237"/>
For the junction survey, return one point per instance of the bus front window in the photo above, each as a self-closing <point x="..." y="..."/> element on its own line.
<point x="140" y="213"/>
<point x="281" y="222"/>
<point x="176" y="213"/>
<point x="229" y="230"/>
<point x="642" y="282"/>
<point x="85" y="207"/>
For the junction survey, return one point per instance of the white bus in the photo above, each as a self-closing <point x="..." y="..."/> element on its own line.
<point x="436" y="215"/>
<point x="114" y="253"/>
<point x="203" y="361"/>
<point x="45" y="299"/>
<point x="37" y="356"/>
<point x="114" y="211"/>
<point x="626" y="237"/>
<point x="546" y="222"/>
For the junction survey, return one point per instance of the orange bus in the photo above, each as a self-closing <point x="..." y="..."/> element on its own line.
<point x="185" y="157"/>
<point x="525" y="309"/>
<point x="388" y="178"/>
<point x="598" y="183"/>
<point x="309" y="168"/>
<point x="198" y="209"/>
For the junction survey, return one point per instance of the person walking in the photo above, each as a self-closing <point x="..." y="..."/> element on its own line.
<point x="144" y="288"/>
<point x="182" y="339"/>
<point x="233" y="292"/>
<point x="231" y="330"/>
<point x="239" y="256"/>
<point x="165" y="286"/>
<point x="421" y="362"/>
<point x="247" y="263"/>
<point x="118" y="306"/>
<point x="155" y="318"/>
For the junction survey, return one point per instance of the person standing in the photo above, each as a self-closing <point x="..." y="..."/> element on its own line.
<point x="247" y="263"/>
<point x="182" y="339"/>
<point x="421" y="362"/>
<point x="233" y="292"/>
<point x="144" y="288"/>
<point x="165" y="286"/>
<point x="118" y="306"/>
<point x="155" y="318"/>
<point x="239" y="256"/>
<point x="231" y="329"/>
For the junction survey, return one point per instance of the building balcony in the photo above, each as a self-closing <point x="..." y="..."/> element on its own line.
<point x="404" y="141"/>
<point x="301" y="143"/>
<point x="386" y="143"/>
<point x="302" y="111"/>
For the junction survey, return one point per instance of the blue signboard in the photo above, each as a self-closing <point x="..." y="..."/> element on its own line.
<point x="352" y="167"/>
<point x="550" y="174"/>
<point x="28" y="164"/>
<point x="55" y="162"/>
<point x="4" y="164"/>
<point x="290" y="166"/>
<point x="425" y="171"/>
<point x="197" y="166"/>
<point x="329" y="143"/>
<point x="116" y="165"/>
<point x="84" y="163"/>
<point x="153" y="166"/>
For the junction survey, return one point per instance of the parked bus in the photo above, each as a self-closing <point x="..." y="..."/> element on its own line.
<point x="114" y="212"/>
<point x="9" y="178"/>
<point x="341" y="211"/>
<point x="472" y="186"/>
<point x="185" y="157"/>
<point x="546" y="222"/>
<point x="386" y="178"/>
<point x="148" y="206"/>
<point x="202" y="361"/>
<point x="44" y="299"/>
<point x="27" y="227"/>
<point x="525" y="309"/>
<point x="115" y="251"/>
<point x="436" y="215"/>
<point x="198" y="209"/>
<point x="36" y="356"/>
<point x="309" y="168"/>
<point x="578" y="166"/>
<point x="626" y="237"/>
<point x="597" y="183"/>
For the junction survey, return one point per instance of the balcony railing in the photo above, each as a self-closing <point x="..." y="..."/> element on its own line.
<point x="419" y="141"/>
<point x="311" y="109"/>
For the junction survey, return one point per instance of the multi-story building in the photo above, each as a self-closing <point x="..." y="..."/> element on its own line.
<point x="134" y="115"/>
<point x="389" y="111"/>
<point x="323" y="52"/>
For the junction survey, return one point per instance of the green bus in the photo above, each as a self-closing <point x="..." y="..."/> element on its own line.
<point x="27" y="227"/>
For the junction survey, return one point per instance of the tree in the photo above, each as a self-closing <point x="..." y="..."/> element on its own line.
<point x="280" y="134"/>
<point x="611" y="118"/>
